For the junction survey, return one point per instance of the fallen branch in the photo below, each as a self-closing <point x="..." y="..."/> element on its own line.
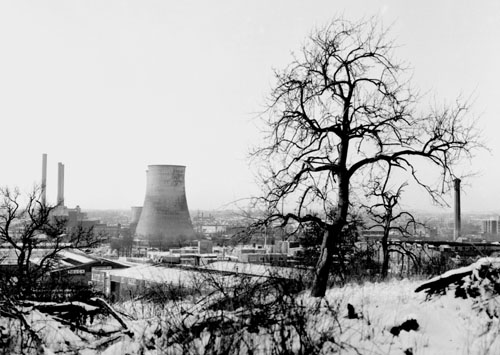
<point x="481" y="269"/>
<point x="85" y="329"/>
<point x="441" y="282"/>
<point x="113" y="313"/>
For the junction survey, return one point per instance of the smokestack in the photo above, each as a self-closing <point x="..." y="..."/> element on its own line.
<point x="44" y="179"/>
<point x="165" y="216"/>
<point x="458" y="218"/>
<point x="60" y="184"/>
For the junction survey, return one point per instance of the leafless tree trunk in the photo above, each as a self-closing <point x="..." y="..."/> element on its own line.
<point x="385" y="215"/>
<point x="338" y="115"/>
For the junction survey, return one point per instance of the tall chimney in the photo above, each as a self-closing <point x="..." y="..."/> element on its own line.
<point x="165" y="216"/>
<point x="60" y="184"/>
<point x="458" y="218"/>
<point x="44" y="179"/>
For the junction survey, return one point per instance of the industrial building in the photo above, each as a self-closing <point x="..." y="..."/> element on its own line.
<point x="143" y="279"/>
<point x="139" y="280"/>
<point x="76" y="267"/>
<point x="68" y="267"/>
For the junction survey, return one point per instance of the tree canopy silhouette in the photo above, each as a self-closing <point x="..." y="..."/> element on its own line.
<point x="33" y="234"/>
<point x="342" y="115"/>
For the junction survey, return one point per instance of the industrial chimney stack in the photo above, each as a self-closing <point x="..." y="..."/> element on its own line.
<point x="164" y="218"/>
<point x="60" y="184"/>
<point x="44" y="179"/>
<point x="458" y="218"/>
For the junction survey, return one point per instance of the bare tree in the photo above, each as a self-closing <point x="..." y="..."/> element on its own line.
<point x="32" y="232"/>
<point x="338" y="115"/>
<point x="387" y="215"/>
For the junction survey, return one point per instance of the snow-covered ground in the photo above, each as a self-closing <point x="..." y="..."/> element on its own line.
<point x="446" y="324"/>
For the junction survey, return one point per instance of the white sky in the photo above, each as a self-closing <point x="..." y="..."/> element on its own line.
<point x="109" y="87"/>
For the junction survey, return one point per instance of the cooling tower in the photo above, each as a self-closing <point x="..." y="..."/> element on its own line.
<point x="134" y="218"/>
<point x="165" y="216"/>
<point x="135" y="214"/>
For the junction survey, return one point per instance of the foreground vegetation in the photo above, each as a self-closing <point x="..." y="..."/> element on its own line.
<point x="457" y="314"/>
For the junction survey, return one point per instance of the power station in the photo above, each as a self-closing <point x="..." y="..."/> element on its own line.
<point x="164" y="219"/>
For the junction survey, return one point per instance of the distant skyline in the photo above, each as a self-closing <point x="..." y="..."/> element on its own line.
<point x="110" y="87"/>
